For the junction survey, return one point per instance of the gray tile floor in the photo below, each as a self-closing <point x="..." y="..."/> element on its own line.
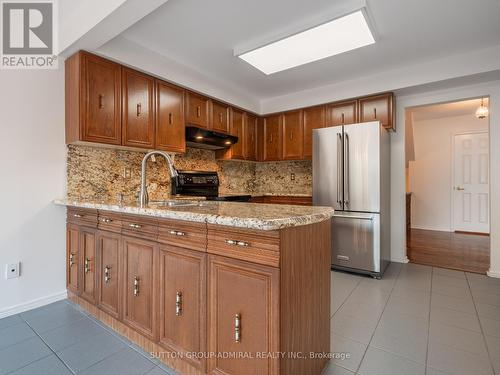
<point x="61" y="339"/>
<point x="416" y="320"/>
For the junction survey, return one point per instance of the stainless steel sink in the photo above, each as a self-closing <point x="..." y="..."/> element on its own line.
<point x="174" y="203"/>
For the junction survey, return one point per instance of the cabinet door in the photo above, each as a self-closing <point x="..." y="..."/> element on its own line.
<point x="170" y="125"/>
<point x="183" y="301"/>
<point x="314" y="118"/>
<point x="377" y="108"/>
<point x="140" y="258"/>
<point x="272" y="138"/>
<point x="138" y="109"/>
<point x="88" y="264"/>
<point x="101" y="100"/>
<point x="197" y="110"/>
<point x="292" y="135"/>
<point x="72" y="257"/>
<point x="250" y="131"/>
<point x="220" y="117"/>
<point x="342" y="113"/>
<point x="243" y="316"/>
<point x="109" y="281"/>
<point x="237" y="130"/>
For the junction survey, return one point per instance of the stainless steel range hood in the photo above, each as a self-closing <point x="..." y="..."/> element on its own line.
<point x="207" y="139"/>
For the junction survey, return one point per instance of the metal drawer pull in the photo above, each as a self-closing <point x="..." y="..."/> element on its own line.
<point x="343" y="257"/>
<point x="87" y="265"/>
<point x="139" y="109"/>
<point x="107" y="275"/>
<point x="237" y="328"/>
<point x="177" y="233"/>
<point x="71" y="259"/>
<point x="136" y="286"/>
<point x="354" y="217"/>
<point x="135" y="226"/>
<point x="77" y="216"/>
<point x="178" y="303"/>
<point x="237" y="243"/>
<point x="106" y="220"/>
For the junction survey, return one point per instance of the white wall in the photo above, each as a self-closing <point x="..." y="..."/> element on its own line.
<point x="431" y="171"/>
<point x="398" y="201"/>
<point x="32" y="167"/>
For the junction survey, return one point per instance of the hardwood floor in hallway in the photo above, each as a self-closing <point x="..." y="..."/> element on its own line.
<point x="460" y="251"/>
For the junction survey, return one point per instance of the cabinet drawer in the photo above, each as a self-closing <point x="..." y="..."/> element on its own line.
<point x="254" y="246"/>
<point x="109" y="221"/>
<point x="140" y="227"/>
<point x="82" y="216"/>
<point x="183" y="234"/>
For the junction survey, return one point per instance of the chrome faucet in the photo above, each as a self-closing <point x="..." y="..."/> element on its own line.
<point x="143" y="196"/>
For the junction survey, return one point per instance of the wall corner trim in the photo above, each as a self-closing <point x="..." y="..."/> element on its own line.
<point x="16" y="309"/>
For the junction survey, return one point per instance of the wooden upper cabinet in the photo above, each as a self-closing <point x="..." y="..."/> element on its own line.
<point x="272" y="141"/>
<point x="183" y="301"/>
<point x="170" y="123"/>
<point x="293" y="134"/>
<point x="237" y="129"/>
<point x="342" y="113"/>
<point x="243" y="316"/>
<point x="139" y="305"/>
<point x="378" y="108"/>
<point x="220" y="117"/>
<point x="109" y="263"/>
<point x="250" y="139"/>
<point x="197" y="110"/>
<point x="314" y="118"/>
<point x="101" y="100"/>
<point x="138" y="109"/>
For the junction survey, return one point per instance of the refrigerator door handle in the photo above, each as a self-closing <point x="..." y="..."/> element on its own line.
<point x="339" y="167"/>
<point x="346" y="169"/>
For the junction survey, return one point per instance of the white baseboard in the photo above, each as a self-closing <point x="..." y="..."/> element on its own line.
<point x="423" y="227"/>
<point x="495" y="274"/>
<point x="33" y="304"/>
<point x="400" y="260"/>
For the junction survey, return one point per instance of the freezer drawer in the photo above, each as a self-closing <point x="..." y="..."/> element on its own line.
<point x="356" y="241"/>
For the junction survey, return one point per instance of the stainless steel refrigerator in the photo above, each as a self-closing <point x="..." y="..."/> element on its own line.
<point x="351" y="172"/>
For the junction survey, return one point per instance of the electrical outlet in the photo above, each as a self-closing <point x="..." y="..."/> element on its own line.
<point x="12" y="270"/>
<point x="127" y="172"/>
<point x="292" y="176"/>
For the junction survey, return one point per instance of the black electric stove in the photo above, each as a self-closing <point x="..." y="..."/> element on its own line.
<point x="202" y="184"/>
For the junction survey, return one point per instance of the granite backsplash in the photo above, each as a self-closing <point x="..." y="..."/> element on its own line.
<point x="99" y="173"/>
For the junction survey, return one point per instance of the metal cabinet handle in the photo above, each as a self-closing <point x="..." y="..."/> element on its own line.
<point x="87" y="265"/>
<point x="135" y="226"/>
<point x="339" y="166"/>
<point x="198" y="111"/>
<point x="459" y="188"/>
<point x="139" y="109"/>
<point x="136" y="286"/>
<point x="178" y="303"/>
<point x="77" y="216"/>
<point x="107" y="274"/>
<point x="71" y="259"/>
<point x="375" y="113"/>
<point x="170" y="118"/>
<point x="346" y="169"/>
<point x="237" y="328"/>
<point x="106" y="220"/>
<point x="343" y="117"/>
<point x="177" y="233"/>
<point x="237" y="243"/>
<point x="101" y="103"/>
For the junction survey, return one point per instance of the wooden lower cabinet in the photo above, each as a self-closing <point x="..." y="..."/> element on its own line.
<point x="140" y="258"/>
<point x="109" y="275"/>
<point x="88" y="264"/>
<point x="183" y="302"/>
<point x="72" y="257"/>
<point x="243" y="303"/>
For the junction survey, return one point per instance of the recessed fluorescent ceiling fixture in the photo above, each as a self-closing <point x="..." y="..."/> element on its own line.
<point x="331" y="38"/>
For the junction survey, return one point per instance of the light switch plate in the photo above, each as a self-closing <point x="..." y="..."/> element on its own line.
<point x="12" y="270"/>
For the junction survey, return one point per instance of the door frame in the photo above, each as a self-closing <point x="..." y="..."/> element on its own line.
<point x="452" y="182"/>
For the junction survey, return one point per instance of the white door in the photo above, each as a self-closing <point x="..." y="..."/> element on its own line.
<point x="471" y="201"/>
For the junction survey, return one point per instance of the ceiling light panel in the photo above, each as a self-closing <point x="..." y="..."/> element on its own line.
<point x="331" y="38"/>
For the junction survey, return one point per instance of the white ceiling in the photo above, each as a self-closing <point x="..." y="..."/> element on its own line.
<point x="201" y="35"/>
<point x="435" y="111"/>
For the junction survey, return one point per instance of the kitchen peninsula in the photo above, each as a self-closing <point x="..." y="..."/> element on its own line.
<point x="209" y="287"/>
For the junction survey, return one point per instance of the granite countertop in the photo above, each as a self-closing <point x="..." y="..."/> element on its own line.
<point x="243" y="215"/>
